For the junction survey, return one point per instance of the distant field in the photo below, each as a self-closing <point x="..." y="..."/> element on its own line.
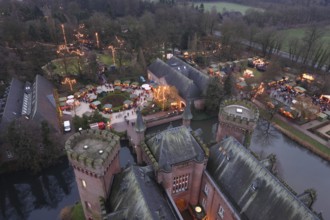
<point x="221" y="6"/>
<point x="299" y="33"/>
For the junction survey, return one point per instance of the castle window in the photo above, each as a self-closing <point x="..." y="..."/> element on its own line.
<point x="206" y="189"/>
<point x="180" y="183"/>
<point x="88" y="205"/>
<point x="221" y="212"/>
<point x="83" y="183"/>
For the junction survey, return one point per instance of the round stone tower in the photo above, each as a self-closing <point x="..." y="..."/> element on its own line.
<point x="94" y="156"/>
<point x="237" y="118"/>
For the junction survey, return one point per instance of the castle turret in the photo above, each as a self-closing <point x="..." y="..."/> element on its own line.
<point x="237" y="118"/>
<point x="140" y="129"/>
<point x="94" y="156"/>
<point x="187" y="116"/>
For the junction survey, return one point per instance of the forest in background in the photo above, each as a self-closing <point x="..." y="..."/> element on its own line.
<point x="31" y="30"/>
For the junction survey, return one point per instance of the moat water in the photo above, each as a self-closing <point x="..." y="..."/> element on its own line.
<point x="41" y="197"/>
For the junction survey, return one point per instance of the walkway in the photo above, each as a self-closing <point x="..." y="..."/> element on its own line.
<point x="302" y="129"/>
<point x="116" y="117"/>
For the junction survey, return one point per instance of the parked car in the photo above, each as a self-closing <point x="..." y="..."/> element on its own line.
<point x="67" y="126"/>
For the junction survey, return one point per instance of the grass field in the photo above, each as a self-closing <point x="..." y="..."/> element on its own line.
<point x="105" y="59"/>
<point x="72" y="66"/>
<point x="221" y="6"/>
<point x="77" y="212"/>
<point x="299" y="33"/>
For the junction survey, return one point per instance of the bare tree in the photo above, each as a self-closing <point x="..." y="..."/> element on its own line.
<point x="312" y="37"/>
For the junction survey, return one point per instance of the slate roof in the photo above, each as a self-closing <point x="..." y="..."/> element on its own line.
<point x="43" y="107"/>
<point x="253" y="190"/>
<point x="136" y="195"/>
<point x="200" y="79"/>
<point x="14" y="102"/>
<point x="186" y="87"/>
<point x="173" y="146"/>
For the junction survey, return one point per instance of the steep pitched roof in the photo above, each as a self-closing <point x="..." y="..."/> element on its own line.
<point x="174" y="145"/>
<point x="159" y="68"/>
<point x="136" y="195"/>
<point x="255" y="192"/>
<point x="14" y="102"/>
<point x="44" y="103"/>
<point x="200" y="79"/>
<point x="185" y="86"/>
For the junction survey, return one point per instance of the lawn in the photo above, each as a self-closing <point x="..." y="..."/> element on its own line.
<point x="221" y="6"/>
<point x="77" y="212"/>
<point x="72" y="65"/>
<point x="116" y="99"/>
<point x="299" y="33"/>
<point x="105" y="59"/>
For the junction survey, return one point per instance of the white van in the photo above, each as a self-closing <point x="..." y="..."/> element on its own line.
<point x="67" y="126"/>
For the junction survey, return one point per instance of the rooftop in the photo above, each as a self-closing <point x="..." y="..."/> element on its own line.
<point x="14" y="102"/>
<point x="91" y="147"/>
<point x="239" y="110"/>
<point x="251" y="187"/>
<point x="173" y="146"/>
<point x="136" y="195"/>
<point x="190" y="82"/>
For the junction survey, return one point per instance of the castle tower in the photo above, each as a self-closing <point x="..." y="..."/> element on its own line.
<point x="237" y="118"/>
<point x="140" y="129"/>
<point x="187" y="116"/>
<point x="94" y="156"/>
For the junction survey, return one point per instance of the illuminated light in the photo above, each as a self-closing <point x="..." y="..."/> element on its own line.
<point x="97" y="40"/>
<point x="63" y="32"/>
<point x="307" y="76"/>
<point x="101" y="151"/>
<point x="86" y="146"/>
<point x="260" y="90"/>
<point x="198" y="209"/>
<point x="113" y="50"/>
<point x="84" y="183"/>
<point x="69" y="81"/>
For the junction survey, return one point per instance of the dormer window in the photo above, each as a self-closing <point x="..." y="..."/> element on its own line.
<point x="221" y="212"/>
<point x="206" y="189"/>
<point x="255" y="185"/>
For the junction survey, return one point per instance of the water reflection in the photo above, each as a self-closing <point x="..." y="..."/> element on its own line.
<point x="25" y="196"/>
<point x="125" y="155"/>
<point x="300" y="168"/>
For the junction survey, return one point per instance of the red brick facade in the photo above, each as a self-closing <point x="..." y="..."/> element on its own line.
<point x="213" y="201"/>
<point x="225" y="129"/>
<point x="183" y="182"/>
<point x="92" y="186"/>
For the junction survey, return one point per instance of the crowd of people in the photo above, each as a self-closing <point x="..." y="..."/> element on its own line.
<point x="287" y="94"/>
